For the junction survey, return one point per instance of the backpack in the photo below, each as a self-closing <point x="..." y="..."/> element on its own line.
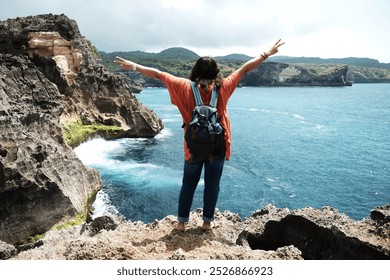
<point x="204" y="134"/>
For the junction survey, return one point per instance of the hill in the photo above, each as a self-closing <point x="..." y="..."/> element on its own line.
<point x="179" y="61"/>
<point x="178" y="54"/>
<point x="233" y="57"/>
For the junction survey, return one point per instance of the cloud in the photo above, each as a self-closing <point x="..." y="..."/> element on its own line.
<point x="330" y="28"/>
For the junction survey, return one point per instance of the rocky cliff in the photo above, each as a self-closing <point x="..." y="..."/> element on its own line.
<point x="50" y="78"/>
<point x="282" y="74"/>
<point x="270" y="233"/>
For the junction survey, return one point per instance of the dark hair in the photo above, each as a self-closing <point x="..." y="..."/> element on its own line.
<point x="205" y="72"/>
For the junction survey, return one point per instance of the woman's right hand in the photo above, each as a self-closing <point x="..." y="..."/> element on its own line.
<point x="125" y="64"/>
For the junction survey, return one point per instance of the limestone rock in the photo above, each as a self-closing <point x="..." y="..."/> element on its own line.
<point x="157" y="240"/>
<point x="41" y="179"/>
<point x="282" y="74"/>
<point x="269" y="234"/>
<point x="49" y="77"/>
<point x="6" y="250"/>
<point x="317" y="233"/>
<point x="54" y="44"/>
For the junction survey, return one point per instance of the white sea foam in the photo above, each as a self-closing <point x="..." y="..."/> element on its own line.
<point x="165" y="133"/>
<point x="102" y="205"/>
<point x="95" y="151"/>
<point x="299" y="117"/>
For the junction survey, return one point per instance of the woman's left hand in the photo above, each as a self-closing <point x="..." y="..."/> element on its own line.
<point x="275" y="48"/>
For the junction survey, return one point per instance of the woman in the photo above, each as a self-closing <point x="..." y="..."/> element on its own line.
<point x="206" y="74"/>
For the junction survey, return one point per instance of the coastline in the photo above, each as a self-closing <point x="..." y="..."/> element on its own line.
<point x="46" y="86"/>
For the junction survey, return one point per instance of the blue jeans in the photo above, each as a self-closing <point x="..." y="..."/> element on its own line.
<point x="212" y="176"/>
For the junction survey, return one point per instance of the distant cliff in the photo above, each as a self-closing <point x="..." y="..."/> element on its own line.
<point x="50" y="79"/>
<point x="281" y="74"/>
<point x="276" y="71"/>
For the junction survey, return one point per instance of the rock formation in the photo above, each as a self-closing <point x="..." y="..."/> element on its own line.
<point x="270" y="233"/>
<point x="282" y="74"/>
<point x="41" y="180"/>
<point x="50" y="77"/>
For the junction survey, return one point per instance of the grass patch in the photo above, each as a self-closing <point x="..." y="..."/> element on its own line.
<point x="31" y="239"/>
<point x="78" y="220"/>
<point x="80" y="217"/>
<point x="76" y="132"/>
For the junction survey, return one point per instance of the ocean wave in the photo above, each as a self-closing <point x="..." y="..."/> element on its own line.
<point x="95" y="151"/>
<point x="103" y="206"/>
<point x="299" y="117"/>
<point x="164" y="134"/>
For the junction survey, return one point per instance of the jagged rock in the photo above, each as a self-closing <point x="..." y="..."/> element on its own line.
<point x="157" y="240"/>
<point x="6" y="250"/>
<point x="381" y="214"/>
<point x="29" y="246"/>
<point x="54" y="44"/>
<point x="49" y="77"/>
<point x="102" y="223"/>
<point x="270" y="233"/>
<point x="41" y="179"/>
<point x="317" y="233"/>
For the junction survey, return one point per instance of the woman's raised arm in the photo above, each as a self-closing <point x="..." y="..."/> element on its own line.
<point x="147" y="71"/>
<point x="255" y="62"/>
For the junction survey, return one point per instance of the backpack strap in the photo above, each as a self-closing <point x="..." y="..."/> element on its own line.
<point x="198" y="98"/>
<point x="195" y="91"/>
<point x="214" y="97"/>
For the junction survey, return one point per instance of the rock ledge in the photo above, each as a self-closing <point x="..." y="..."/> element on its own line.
<point x="270" y="233"/>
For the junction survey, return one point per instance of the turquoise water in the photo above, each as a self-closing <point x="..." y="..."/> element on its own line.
<point x="292" y="147"/>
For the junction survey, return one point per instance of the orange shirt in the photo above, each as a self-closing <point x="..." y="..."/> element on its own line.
<point x="181" y="95"/>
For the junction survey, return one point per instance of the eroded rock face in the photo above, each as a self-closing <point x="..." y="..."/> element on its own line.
<point x="51" y="45"/>
<point x="56" y="47"/>
<point x="49" y="77"/>
<point x="320" y="234"/>
<point x="41" y="180"/>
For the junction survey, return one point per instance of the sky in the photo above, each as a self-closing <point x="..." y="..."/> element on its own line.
<point x="310" y="28"/>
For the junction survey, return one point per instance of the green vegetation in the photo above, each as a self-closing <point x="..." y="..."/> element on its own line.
<point x="92" y="47"/>
<point x="75" y="221"/>
<point x="78" y="220"/>
<point x="80" y="217"/>
<point x="31" y="239"/>
<point x="179" y="61"/>
<point x="77" y="132"/>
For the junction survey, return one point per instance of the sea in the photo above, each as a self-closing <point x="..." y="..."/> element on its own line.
<point x="292" y="147"/>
